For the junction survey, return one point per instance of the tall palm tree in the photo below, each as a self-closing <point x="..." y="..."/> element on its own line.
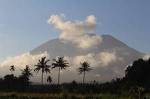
<point x="85" y="67"/>
<point x="43" y="66"/>
<point x="60" y="63"/>
<point x="12" y="69"/>
<point x="49" y="79"/>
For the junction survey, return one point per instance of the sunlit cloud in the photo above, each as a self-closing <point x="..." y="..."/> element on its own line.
<point x="102" y="59"/>
<point x="22" y="60"/>
<point x="146" y="57"/>
<point x="77" y="31"/>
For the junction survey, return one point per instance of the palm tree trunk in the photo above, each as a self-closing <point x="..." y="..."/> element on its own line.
<point x="83" y="77"/>
<point x="42" y="77"/>
<point x="58" y="75"/>
<point x="139" y="94"/>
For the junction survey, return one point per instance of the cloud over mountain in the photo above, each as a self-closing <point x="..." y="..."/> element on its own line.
<point x="102" y="59"/>
<point x="146" y="57"/>
<point x="23" y="60"/>
<point x="76" y="31"/>
<point x="107" y="55"/>
<point x="108" y="60"/>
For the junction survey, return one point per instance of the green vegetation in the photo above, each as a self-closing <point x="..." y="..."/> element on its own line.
<point x="60" y="63"/>
<point x="85" y="67"/>
<point x="59" y="96"/>
<point x="12" y="69"/>
<point x="134" y="85"/>
<point x="42" y="65"/>
<point x="15" y="95"/>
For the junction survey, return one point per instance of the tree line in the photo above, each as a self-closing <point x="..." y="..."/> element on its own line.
<point x="44" y="67"/>
<point x="136" y="79"/>
<point x="61" y="64"/>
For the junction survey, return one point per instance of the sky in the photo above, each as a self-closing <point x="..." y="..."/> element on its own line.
<point x="24" y="26"/>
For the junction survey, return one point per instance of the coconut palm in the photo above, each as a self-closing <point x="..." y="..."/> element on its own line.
<point x="60" y="63"/>
<point x="85" y="67"/>
<point x="27" y="71"/>
<point x="12" y="69"/>
<point x="25" y="76"/>
<point x="43" y="66"/>
<point x="49" y="79"/>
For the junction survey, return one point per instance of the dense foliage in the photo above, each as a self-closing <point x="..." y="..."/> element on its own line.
<point x="136" y="80"/>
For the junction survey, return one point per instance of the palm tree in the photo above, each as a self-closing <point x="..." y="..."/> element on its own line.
<point x="49" y="79"/>
<point x="27" y="71"/>
<point x="25" y="76"/>
<point x="60" y="63"/>
<point x="85" y="67"/>
<point x="12" y="69"/>
<point x="42" y="65"/>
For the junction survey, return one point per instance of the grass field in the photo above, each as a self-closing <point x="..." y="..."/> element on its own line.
<point x="16" y="95"/>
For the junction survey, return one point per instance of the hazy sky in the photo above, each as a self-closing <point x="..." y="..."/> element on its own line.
<point x="23" y="23"/>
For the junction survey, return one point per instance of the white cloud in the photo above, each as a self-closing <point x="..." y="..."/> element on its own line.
<point x="22" y="60"/>
<point x="107" y="57"/>
<point x="102" y="59"/>
<point x="77" y="31"/>
<point x="97" y="75"/>
<point x="146" y="57"/>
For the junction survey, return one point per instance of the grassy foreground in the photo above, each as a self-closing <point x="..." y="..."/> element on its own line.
<point x="16" y="95"/>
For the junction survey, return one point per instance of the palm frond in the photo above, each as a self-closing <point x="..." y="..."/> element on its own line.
<point x="60" y="62"/>
<point x="85" y="67"/>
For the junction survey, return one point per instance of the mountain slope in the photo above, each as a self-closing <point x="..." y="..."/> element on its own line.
<point x="57" y="47"/>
